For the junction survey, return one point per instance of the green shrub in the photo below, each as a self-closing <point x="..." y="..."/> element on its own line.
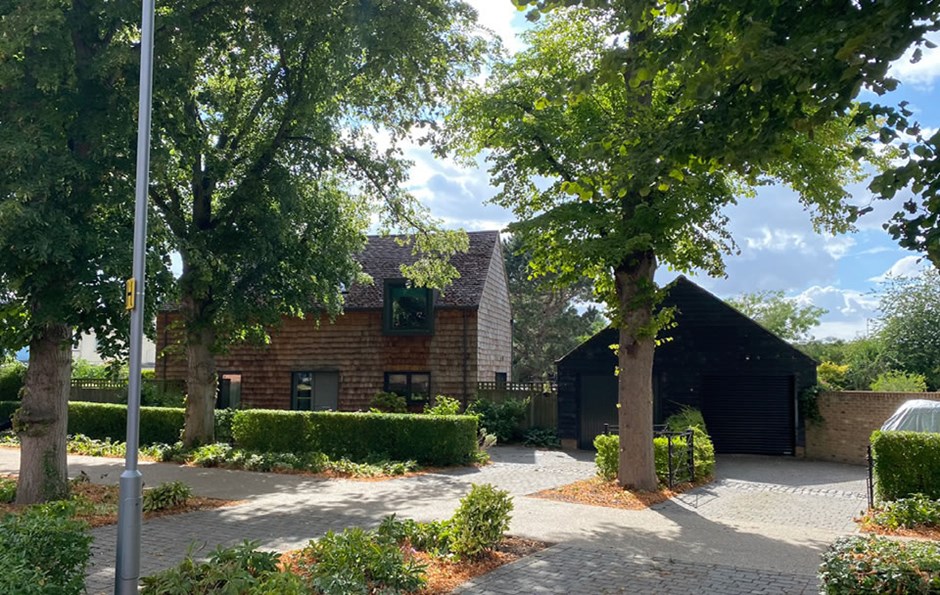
<point x="503" y="420"/>
<point x="434" y="538"/>
<point x="268" y="430"/>
<point x="7" y="490"/>
<point x="832" y="376"/>
<point x="171" y="494"/>
<point x="608" y="455"/>
<point x="879" y="565"/>
<point x="239" y="569"/>
<point x="388" y="403"/>
<point x="429" y="440"/>
<point x="83" y="445"/>
<point x="915" y="511"/>
<point x="895" y="381"/>
<point x="687" y="417"/>
<point x="357" y="561"/>
<point x="7" y="408"/>
<point x="223" y="424"/>
<point x="480" y="521"/>
<point x="109" y="420"/>
<point x="906" y="463"/>
<point x="443" y="406"/>
<point x="12" y="377"/>
<point x="43" y="550"/>
<point x="541" y="437"/>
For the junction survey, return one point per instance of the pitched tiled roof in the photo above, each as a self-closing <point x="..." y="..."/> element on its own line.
<point x="382" y="258"/>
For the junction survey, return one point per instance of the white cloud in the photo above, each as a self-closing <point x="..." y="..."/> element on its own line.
<point x="922" y="74"/>
<point x="498" y="17"/>
<point x="909" y="266"/>
<point x="838" y="246"/>
<point x="849" y="311"/>
<point x="776" y="240"/>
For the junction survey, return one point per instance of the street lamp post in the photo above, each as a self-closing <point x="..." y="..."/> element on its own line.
<point x="127" y="568"/>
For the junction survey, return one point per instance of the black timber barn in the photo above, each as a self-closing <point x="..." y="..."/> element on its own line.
<point x="743" y="378"/>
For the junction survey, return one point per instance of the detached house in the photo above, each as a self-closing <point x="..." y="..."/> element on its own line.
<point x="391" y="337"/>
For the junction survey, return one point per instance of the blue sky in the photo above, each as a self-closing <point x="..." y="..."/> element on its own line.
<point x="779" y="249"/>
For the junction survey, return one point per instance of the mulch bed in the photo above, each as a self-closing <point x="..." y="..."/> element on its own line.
<point x="867" y="525"/>
<point x="103" y="500"/>
<point x="597" y="491"/>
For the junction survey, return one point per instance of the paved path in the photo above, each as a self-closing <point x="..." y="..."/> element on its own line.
<point x="759" y="528"/>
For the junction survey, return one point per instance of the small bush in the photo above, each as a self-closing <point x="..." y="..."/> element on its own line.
<point x="388" y="403"/>
<point x="223" y="425"/>
<point x="171" y="494"/>
<point x="501" y="419"/>
<point x="906" y="463"/>
<point x="687" y="417"/>
<point x="608" y="455"/>
<point x="541" y="437"/>
<point x="7" y="490"/>
<point x="239" y="569"/>
<point x="908" y="513"/>
<point x="832" y="376"/>
<point x="443" y="406"/>
<point x="895" y="381"/>
<point x="480" y="521"/>
<point x="357" y="561"/>
<point x="81" y="444"/>
<point x="43" y="550"/>
<point x="433" y="538"/>
<point x="12" y="377"/>
<point x="879" y="565"/>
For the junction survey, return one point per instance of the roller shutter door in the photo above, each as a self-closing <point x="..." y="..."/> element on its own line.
<point x="750" y="414"/>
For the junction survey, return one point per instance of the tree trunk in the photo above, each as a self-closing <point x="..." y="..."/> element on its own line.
<point x="201" y="380"/>
<point x="634" y="282"/>
<point x="42" y="418"/>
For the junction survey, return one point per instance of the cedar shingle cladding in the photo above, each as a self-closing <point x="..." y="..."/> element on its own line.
<point x="471" y="340"/>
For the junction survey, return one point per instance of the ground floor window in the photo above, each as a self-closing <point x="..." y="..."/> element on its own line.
<point x="314" y="391"/>
<point x="229" y="392"/>
<point x="414" y="386"/>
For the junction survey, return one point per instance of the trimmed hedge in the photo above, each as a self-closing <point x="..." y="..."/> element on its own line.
<point x="109" y="420"/>
<point x="906" y="463"/>
<point x="427" y="439"/>
<point x="879" y="565"/>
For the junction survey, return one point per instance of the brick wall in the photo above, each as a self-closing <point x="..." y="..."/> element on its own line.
<point x="355" y="347"/>
<point x="494" y="332"/>
<point x="849" y="418"/>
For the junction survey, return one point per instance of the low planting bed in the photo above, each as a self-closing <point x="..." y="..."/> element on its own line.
<point x="880" y="565"/>
<point x="914" y="516"/>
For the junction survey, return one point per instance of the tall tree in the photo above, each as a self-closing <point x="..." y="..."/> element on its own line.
<point x="546" y="323"/>
<point x="781" y="316"/>
<point x="646" y="117"/>
<point x="68" y="76"/>
<point x="909" y="328"/>
<point x="266" y="171"/>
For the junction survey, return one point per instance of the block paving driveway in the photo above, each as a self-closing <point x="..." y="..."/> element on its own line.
<point x="759" y="528"/>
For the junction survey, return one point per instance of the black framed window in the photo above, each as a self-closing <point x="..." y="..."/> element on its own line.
<point x="314" y="391"/>
<point x="414" y="386"/>
<point x="407" y="310"/>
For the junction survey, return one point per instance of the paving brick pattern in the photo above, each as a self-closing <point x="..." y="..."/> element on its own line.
<point x="576" y="570"/>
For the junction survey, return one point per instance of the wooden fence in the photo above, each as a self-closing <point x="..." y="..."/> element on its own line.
<point x="103" y="390"/>
<point x="542" y="411"/>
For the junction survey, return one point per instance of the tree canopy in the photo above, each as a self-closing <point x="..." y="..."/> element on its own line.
<point x="619" y="134"/>
<point x="909" y="327"/>
<point x="783" y="317"/>
<point x="547" y="322"/>
<point x="267" y="170"/>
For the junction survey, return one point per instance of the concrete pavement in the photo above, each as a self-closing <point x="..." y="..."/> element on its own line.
<point x="760" y="527"/>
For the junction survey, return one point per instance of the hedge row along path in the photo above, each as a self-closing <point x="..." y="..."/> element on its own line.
<point x="761" y="525"/>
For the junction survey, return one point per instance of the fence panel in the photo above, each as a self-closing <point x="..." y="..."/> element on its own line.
<point x="104" y="390"/>
<point x="542" y="411"/>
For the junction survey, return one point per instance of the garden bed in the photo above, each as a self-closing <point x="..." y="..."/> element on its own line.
<point x="597" y="491"/>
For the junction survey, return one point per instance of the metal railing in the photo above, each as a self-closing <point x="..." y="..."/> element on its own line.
<point x="677" y="458"/>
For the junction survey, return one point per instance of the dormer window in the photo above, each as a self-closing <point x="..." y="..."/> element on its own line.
<point x="408" y="310"/>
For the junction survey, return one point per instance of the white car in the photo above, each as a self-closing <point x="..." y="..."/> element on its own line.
<point x="917" y="415"/>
